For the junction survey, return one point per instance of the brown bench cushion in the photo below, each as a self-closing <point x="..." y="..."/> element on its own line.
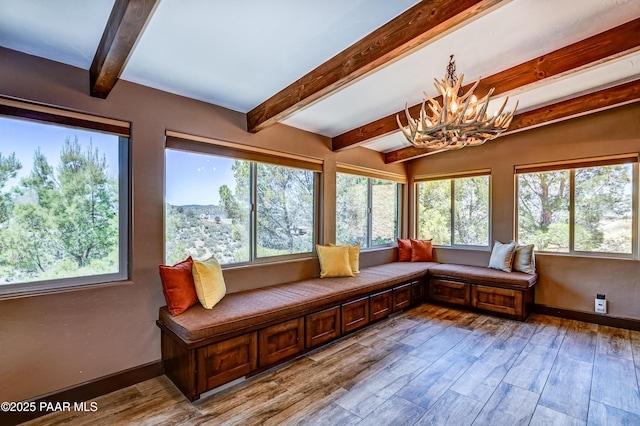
<point x="243" y="310"/>
<point x="480" y="275"/>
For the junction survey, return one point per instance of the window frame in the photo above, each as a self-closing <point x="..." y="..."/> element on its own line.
<point x="204" y="146"/>
<point x="16" y="109"/>
<point x="571" y="167"/>
<point x="253" y="221"/>
<point x="452" y="178"/>
<point x="399" y="188"/>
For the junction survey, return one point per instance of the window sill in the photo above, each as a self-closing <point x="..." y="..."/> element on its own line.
<point x="469" y="248"/>
<point x="266" y="262"/>
<point x="32" y="292"/>
<point x="603" y="256"/>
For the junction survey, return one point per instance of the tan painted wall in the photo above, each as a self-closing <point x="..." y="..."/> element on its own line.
<point x="567" y="282"/>
<point x="51" y="342"/>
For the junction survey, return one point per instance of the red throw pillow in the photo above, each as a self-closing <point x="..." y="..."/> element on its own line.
<point x="178" y="286"/>
<point x="421" y="250"/>
<point x="404" y="250"/>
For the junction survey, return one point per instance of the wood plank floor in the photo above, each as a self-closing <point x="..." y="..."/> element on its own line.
<point x="427" y="366"/>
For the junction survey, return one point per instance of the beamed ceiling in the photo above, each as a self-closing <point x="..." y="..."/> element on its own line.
<point x="345" y="68"/>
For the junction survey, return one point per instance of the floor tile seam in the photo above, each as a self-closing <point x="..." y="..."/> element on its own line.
<point x="590" y="386"/>
<point x="546" y="380"/>
<point x="399" y="397"/>
<point x="591" y="397"/>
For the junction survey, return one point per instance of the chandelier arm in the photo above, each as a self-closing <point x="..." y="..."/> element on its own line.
<point x="405" y="132"/>
<point x="507" y="122"/>
<point x="442" y="126"/>
<point x="441" y="86"/>
<point x="463" y="112"/>
<point x="435" y="109"/>
<point x="498" y="113"/>
<point x="470" y="91"/>
<point x="413" y="126"/>
<point x="444" y="112"/>
<point x="483" y="109"/>
<point x="431" y="100"/>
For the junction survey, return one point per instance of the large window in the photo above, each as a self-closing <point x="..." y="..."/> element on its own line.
<point x="63" y="205"/>
<point x="454" y="211"/>
<point x="366" y="210"/>
<point x="237" y="210"/>
<point x="578" y="209"/>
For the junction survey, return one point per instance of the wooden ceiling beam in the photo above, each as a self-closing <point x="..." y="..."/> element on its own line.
<point x="419" y="24"/>
<point x="124" y="28"/>
<point x="577" y="107"/>
<point x="613" y="43"/>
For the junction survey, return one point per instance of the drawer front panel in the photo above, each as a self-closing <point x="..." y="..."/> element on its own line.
<point x="281" y="341"/>
<point x="417" y="292"/>
<point x="401" y="297"/>
<point x="228" y="360"/>
<point x="355" y="315"/>
<point x="450" y="292"/>
<point x="322" y="327"/>
<point x="496" y="299"/>
<point x="380" y="305"/>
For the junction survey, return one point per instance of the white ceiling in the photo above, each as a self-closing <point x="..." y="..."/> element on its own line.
<point x="238" y="53"/>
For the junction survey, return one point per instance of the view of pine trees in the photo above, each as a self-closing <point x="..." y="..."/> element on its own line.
<point x="602" y="212"/>
<point x="61" y="219"/>
<point x="284" y="217"/>
<point x="352" y="207"/>
<point x="470" y="211"/>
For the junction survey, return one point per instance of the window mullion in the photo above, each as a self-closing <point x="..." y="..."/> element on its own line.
<point x="398" y="209"/>
<point x="634" y="210"/>
<point x="572" y="210"/>
<point x="452" y="212"/>
<point x="253" y="225"/>
<point x="369" y="212"/>
<point x="125" y="203"/>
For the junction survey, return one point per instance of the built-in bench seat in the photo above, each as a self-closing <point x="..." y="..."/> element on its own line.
<point x="244" y="311"/>
<point x="507" y="293"/>
<point x="250" y="331"/>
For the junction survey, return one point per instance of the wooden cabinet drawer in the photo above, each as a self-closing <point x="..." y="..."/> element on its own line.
<point x="281" y="341"/>
<point x="495" y="299"/>
<point x="417" y="292"/>
<point x="355" y="315"/>
<point x="380" y="305"/>
<point x="322" y="327"/>
<point x="228" y="360"/>
<point x="450" y="292"/>
<point x="401" y="297"/>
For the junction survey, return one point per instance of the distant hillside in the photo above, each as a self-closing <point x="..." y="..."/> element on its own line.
<point x="198" y="209"/>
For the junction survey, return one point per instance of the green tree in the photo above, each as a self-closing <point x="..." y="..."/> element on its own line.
<point x="602" y="212"/>
<point x="284" y="208"/>
<point x="284" y="197"/>
<point x="69" y="214"/>
<point x="9" y="167"/>
<point x="351" y="209"/>
<point x="85" y="210"/>
<point x="471" y="211"/>
<point x="434" y="211"/>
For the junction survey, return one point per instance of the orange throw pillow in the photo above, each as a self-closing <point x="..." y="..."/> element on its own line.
<point x="178" y="286"/>
<point x="421" y="250"/>
<point x="404" y="250"/>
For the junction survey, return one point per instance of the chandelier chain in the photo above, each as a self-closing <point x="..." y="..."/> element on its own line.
<point x="451" y="72"/>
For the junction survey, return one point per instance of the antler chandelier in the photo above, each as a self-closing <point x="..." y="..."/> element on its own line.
<point x="460" y="121"/>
